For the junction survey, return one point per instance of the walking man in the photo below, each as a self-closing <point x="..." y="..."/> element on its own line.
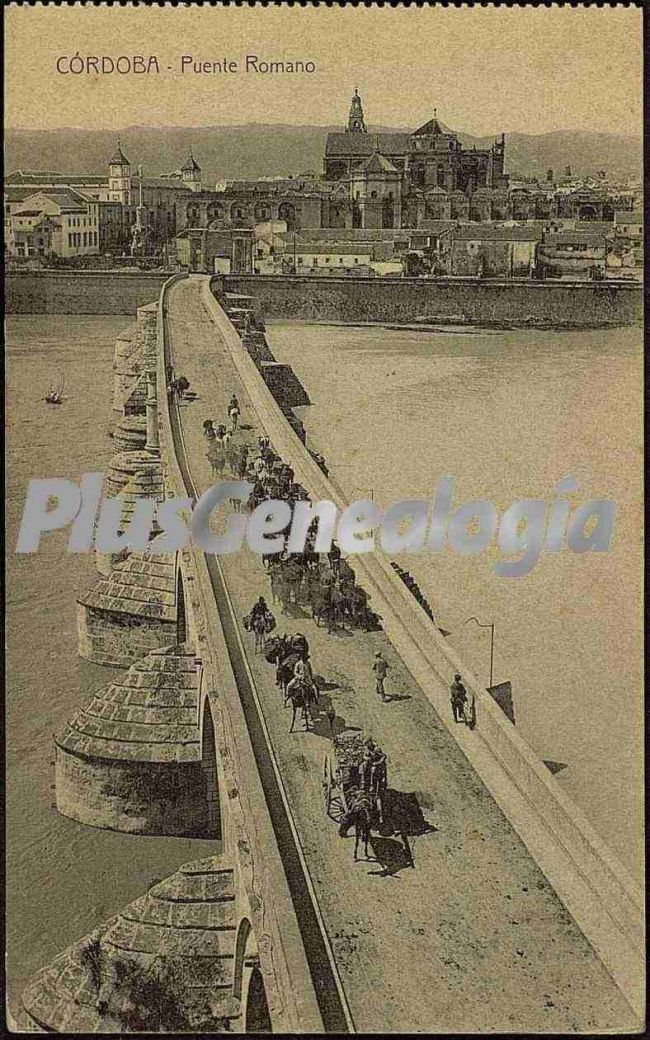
<point x="380" y="668"/>
<point x="234" y="412"/>
<point x="458" y="698"/>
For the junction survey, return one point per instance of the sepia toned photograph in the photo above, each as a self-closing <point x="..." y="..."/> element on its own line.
<point x="324" y="519"/>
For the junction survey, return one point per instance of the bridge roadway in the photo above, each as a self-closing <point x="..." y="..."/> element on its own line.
<point x="472" y="935"/>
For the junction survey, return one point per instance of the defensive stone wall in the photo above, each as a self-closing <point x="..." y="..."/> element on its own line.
<point x="591" y="882"/>
<point x="80" y="292"/>
<point x="407" y="299"/>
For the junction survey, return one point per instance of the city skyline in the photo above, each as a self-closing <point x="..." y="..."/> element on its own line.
<point x="583" y="73"/>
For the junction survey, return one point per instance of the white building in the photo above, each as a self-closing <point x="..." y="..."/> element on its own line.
<point x="69" y="220"/>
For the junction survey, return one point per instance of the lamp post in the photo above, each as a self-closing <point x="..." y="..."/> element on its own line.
<point x="489" y="625"/>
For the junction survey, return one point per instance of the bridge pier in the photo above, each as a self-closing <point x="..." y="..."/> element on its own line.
<point x="134" y="759"/>
<point x="130" y="433"/>
<point x="135" y="349"/>
<point x="178" y="940"/>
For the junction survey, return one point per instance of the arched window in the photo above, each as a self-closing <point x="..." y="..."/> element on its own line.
<point x="262" y="211"/>
<point x="215" y="211"/>
<point x="287" y="212"/>
<point x="192" y="214"/>
<point x="238" y="211"/>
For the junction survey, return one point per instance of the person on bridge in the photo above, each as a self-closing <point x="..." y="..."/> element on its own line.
<point x="304" y="676"/>
<point x="234" y="411"/>
<point x="259" y="609"/>
<point x="380" y="668"/>
<point x="458" y="698"/>
<point x="259" y="469"/>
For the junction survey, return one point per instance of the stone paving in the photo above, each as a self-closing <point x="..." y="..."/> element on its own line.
<point x="472" y="932"/>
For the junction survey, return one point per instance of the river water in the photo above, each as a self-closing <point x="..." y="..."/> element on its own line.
<point x="508" y="415"/>
<point x="63" y="879"/>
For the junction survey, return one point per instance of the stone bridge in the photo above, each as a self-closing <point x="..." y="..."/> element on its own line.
<point x="494" y="905"/>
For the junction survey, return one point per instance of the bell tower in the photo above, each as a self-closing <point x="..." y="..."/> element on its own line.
<point x="191" y="174"/>
<point x="119" y="178"/>
<point x="356" y="122"/>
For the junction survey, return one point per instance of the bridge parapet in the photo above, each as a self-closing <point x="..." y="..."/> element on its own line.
<point x="248" y="834"/>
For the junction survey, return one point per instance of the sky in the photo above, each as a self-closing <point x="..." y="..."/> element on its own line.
<point x="486" y="70"/>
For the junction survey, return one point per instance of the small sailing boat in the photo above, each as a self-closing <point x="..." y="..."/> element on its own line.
<point x="55" y="395"/>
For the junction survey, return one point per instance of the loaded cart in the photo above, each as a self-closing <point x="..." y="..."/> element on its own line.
<point x="354" y="763"/>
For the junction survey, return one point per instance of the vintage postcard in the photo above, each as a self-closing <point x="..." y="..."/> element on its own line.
<point x="324" y="518"/>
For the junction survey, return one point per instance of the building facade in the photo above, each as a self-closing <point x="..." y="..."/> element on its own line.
<point x="53" y="223"/>
<point x="383" y="182"/>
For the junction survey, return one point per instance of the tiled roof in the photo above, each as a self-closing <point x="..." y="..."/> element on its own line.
<point x="191" y="164"/>
<point x="143" y="586"/>
<point x="377" y="163"/>
<point x="67" y="201"/>
<point x="46" y="178"/>
<point x="365" y="144"/>
<point x="432" y="127"/>
<point x="628" y="217"/>
<point x="485" y="232"/>
<point x="149" y="714"/>
<point x="189" y="918"/>
<point x="355" y="235"/>
<point x="119" y="158"/>
<point x="161" y="182"/>
<point x="595" y="241"/>
<point x="348" y="248"/>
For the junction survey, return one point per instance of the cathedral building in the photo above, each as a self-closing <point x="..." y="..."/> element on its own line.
<point x="406" y="179"/>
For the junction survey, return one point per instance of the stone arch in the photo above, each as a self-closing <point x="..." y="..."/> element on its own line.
<point x="244" y="933"/>
<point x="257" y="1018"/>
<point x="210" y="772"/>
<point x="287" y="212"/>
<point x="248" y="982"/>
<point x="588" y="212"/>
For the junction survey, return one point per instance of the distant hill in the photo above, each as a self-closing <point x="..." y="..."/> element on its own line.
<point x="257" y="150"/>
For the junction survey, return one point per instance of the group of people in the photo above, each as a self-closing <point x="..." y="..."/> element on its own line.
<point x="294" y="673"/>
<point x="222" y="450"/>
<point x="178" y="387"/>
<point x="414" y="589"/>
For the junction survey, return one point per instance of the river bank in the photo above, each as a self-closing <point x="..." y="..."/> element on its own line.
<point x="349" y="300"/>
<point x="405" y="301"/>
